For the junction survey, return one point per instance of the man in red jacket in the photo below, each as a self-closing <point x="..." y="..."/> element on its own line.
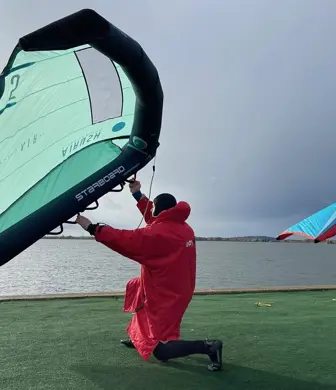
<point x="166" y="251"/>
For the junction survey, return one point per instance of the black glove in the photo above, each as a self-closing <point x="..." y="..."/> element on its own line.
<point x="92" y="228"/>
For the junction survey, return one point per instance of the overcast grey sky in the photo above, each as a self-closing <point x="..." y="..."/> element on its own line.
<point x="249" y="114"/>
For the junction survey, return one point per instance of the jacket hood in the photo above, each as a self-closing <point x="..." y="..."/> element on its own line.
<point x="178" y="213"/>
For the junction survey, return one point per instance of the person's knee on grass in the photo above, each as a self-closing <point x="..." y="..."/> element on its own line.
<point x="182" y="348"/>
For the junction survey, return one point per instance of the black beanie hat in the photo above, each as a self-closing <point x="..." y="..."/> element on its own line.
<point x="163" y="202"/>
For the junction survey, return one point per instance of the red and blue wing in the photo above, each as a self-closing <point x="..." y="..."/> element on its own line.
<point x="318" y="227"/>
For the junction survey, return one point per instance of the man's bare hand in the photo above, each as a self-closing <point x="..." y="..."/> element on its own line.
<point x="135" y="186"/>
<point x="83" y="222"/>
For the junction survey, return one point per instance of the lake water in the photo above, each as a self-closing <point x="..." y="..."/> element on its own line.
<point x="54" y="266"/>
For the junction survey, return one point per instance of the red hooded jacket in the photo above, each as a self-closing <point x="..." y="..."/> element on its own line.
<point x="166" y="251"/>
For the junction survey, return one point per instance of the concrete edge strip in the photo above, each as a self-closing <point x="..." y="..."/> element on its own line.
<point x="197" y="292"/>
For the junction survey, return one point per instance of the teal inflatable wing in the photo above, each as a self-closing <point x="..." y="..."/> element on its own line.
<point x="80" y="112"/>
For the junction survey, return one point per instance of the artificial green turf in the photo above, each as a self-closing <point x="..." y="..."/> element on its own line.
<point x="74" y="344"/>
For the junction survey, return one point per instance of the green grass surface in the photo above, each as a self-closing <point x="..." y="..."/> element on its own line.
<point x="74" y="344"/>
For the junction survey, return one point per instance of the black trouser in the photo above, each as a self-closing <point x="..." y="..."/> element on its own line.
<point x="180" y="348"/>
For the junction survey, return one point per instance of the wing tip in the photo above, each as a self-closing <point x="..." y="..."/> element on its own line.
<point x="283" y="236"/>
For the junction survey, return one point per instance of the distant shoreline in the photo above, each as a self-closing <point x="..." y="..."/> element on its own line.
<point x="263" y="239"/>
<point x="118" y="294"/>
